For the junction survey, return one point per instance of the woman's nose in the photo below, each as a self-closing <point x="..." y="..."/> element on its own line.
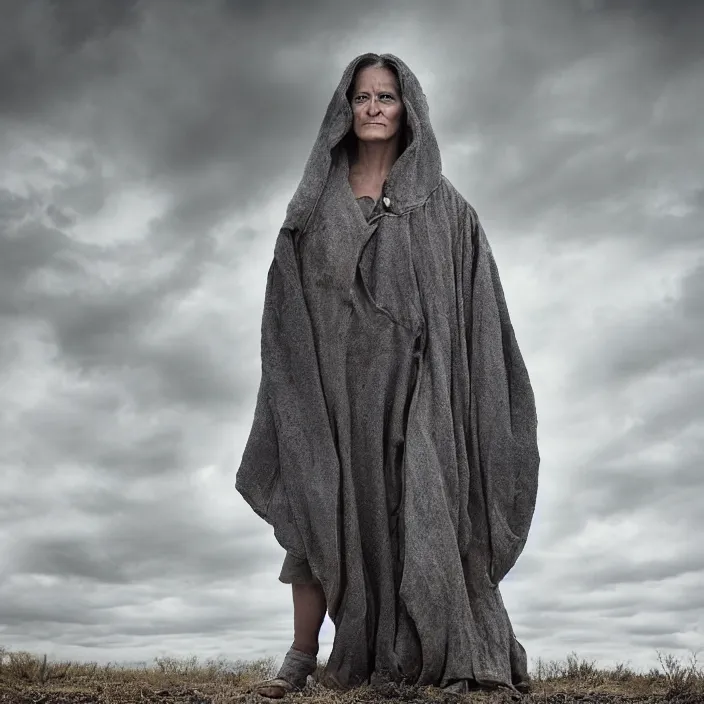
<point x="374" y="107"/>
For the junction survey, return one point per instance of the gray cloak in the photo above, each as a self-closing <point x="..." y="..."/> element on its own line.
<point x="393" y="447"/>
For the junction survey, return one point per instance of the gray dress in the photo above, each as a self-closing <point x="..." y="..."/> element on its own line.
<point x="378" y="481"/>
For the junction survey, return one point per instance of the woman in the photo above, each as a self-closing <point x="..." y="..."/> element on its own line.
<point x="393" y="447"/>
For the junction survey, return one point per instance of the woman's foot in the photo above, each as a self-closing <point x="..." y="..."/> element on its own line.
<point x="291" y="677"/>
<point x="277" y="688"/>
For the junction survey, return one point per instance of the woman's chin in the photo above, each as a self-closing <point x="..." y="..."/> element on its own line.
<point x="371" y="138"/>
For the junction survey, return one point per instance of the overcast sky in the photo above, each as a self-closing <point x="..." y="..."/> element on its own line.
<point x="147" y="154"/>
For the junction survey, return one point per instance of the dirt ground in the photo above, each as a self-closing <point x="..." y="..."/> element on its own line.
<point x="220" y="692"/>
<point x="28" y="679"/>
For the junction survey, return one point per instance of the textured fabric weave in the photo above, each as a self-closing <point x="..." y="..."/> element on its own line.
<point x="294" y="569"/>
<point x="296" y="667"/>
<point x="394" y="442"/>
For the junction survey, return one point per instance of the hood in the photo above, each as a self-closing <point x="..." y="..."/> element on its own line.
<point x="417" y="171"/>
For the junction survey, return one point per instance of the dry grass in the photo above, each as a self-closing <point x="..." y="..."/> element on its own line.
<point x="25" y="677"/>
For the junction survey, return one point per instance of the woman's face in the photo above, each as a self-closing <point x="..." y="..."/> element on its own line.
<point x="376" y="105"/>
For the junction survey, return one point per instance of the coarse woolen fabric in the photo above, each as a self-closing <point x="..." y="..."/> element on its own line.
<point x="394" y="442"/>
